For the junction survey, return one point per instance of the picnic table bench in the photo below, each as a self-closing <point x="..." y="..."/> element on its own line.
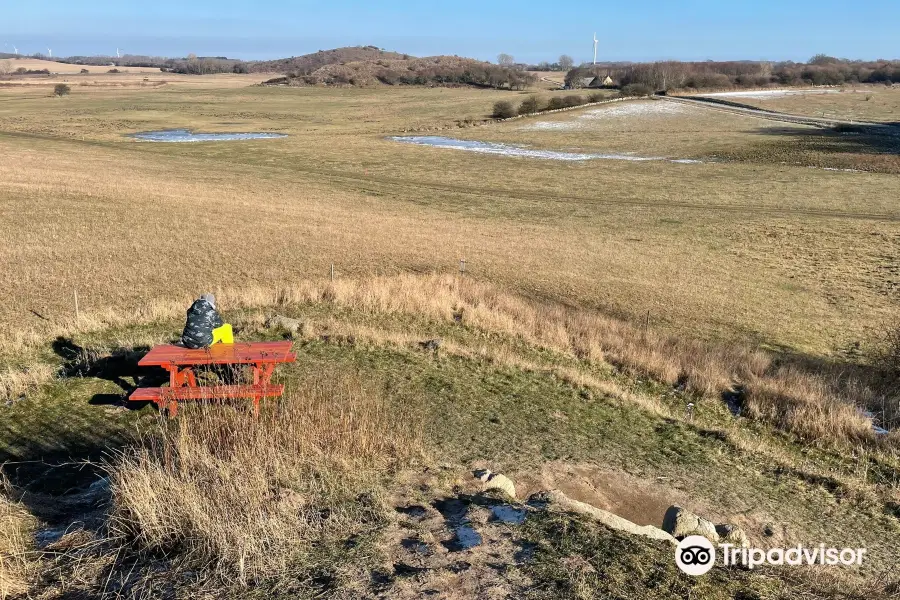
<point x="181" y="362"/>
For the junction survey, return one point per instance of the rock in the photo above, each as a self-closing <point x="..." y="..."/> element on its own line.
<point x="432" y="345"/>
<point x="732" y="534"/>
<point x="607" y="518"/>
<point x="682" y="523"/>
<point x="495" y="481"/>
<point x="769" y="530"/>
<point x="290" y="325"/>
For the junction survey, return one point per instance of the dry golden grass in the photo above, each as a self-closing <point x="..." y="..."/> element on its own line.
<point x="247" y="497"/>
<point x="709" y="250"/>
<point x="99" y="79"/>
<point x="816" y="400"/>
<point x="859" y="103"/>
<point x="752" y="252"/>
<point x="15" y="526"/>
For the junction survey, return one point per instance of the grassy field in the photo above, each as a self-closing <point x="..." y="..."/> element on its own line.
<point x="500" y="393"/>
<point x="876" y="103"/>
<point x="712" y="249"/>
<point x="36" y="64"/>
<point x="125" y="77"/>
<point x="600" y="298"/>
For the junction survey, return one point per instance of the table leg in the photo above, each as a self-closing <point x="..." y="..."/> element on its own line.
<point x="177" y="378"/>
<point x="181" y="377"/>
<point x="263" y="373"/>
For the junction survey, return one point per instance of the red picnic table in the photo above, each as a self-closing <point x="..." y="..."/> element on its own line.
<point x="180" y="362"/>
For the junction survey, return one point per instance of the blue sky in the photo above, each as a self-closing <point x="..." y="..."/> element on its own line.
<point x="530" y="30"/>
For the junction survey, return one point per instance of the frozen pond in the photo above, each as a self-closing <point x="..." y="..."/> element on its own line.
<point x="438" y="141"/>
<point x="184" y="135"/>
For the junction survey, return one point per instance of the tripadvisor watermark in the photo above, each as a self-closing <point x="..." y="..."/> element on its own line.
<point x="696" y="555"/>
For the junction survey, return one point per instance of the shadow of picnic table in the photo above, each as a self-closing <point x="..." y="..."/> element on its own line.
<point x="116" y="367"/>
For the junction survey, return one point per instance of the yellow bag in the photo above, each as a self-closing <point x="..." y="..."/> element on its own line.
<point x="223" y="334"/>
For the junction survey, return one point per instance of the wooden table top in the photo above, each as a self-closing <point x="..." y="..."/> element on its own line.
<point x="219" y="354"/>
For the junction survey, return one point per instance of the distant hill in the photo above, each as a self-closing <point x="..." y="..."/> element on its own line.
<point x="306" y="64"/>
<point x="391" y="68"/>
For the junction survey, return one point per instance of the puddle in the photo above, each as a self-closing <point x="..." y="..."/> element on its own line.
<point x="455" y="513"/>
<point x="875" y="428"/>
<point x="184" y="135"/>
<point x="466" y="537"/>
<point x="508" y="514"/>
<point x="437" y="141"/>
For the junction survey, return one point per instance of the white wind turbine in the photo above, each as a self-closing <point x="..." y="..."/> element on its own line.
<point x="49" y="53"/>
<point x="16" y="50"/>
<point x="595" y="47"/>
<point x="117" y="53"/>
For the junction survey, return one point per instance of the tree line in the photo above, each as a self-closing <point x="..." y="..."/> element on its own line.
<point x="431" y="71"/>
<point x="674" y="75"/>
<point x="191" y="64"/>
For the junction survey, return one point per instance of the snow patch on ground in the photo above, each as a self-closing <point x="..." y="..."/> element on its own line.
<point x="511" y="150"/>
<point x="648" y="108"/>
<point x="623" y="110"/>
<point x="550" y="125"/>
<point x="837" y="169"/>
<point x="764" y="94"/>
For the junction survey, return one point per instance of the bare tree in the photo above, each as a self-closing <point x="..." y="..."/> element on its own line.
<point x="566" y="62"/>
<point x="5" y="68"/>
<point x="505" y="60"/>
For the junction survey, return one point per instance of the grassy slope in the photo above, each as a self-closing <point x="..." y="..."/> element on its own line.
<point x="482" y="411"/>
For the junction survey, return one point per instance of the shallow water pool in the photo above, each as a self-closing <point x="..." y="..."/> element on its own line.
<point x="185" y="135"/>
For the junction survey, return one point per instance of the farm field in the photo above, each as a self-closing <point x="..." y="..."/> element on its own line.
<point x="127" y="77"/>
<point x="37" y="64"/>
<point x="549" y="79"/>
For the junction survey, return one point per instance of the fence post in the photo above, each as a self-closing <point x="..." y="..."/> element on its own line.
<point x="77" y="315"/>
<point x="462" y="266"/>
<point x="332" y="272"/>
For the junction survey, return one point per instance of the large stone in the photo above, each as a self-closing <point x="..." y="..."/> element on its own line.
<point x="432" y="344"/>
<point x="495" y="481"/>
<point x="294" y="326"/>
<point x="732" y="534"/>
<point x="558" y="498"/>
<point x="681" y="523"/>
